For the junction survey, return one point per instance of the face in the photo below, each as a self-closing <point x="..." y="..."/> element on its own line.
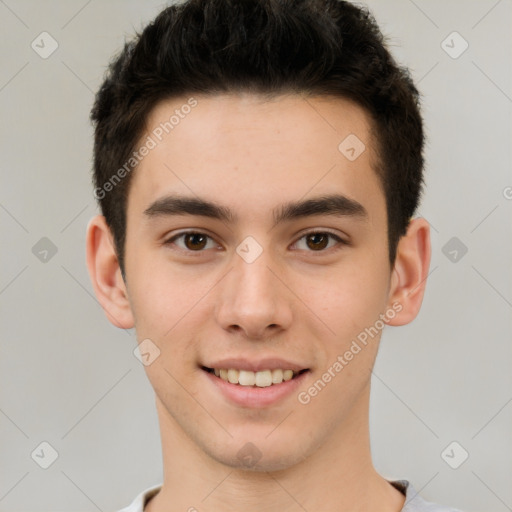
<point x="280" y="262"/>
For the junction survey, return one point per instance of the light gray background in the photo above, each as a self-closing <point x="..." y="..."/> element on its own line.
<point x="70" y="378"/>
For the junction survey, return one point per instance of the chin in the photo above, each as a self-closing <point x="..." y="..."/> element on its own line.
<point x="261" y="463"/>
<point x="259" y="454"/>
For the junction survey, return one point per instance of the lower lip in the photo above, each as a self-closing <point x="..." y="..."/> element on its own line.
<point x="249" y="396"/>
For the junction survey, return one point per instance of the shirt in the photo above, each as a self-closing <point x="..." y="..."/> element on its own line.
<point x="413" y="501"/>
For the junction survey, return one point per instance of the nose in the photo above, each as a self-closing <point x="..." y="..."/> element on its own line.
<point x="252" y="300"/>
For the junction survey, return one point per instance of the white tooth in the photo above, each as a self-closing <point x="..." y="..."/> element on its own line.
<point x="287" y="374"/>
<point x="261" y="379"/>
<point x="277" y="376"/>
<point x="233" y="376"/>
<point x="246" y="378"/>
<point x="264" y="378"/>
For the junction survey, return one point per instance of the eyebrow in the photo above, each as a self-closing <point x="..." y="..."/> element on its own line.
<point x="333" y="204"/>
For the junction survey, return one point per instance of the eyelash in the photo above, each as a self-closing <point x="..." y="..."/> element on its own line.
<point x="340" y="241"/>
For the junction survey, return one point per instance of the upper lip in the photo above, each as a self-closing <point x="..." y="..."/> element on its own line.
<point x="270" y="363"/>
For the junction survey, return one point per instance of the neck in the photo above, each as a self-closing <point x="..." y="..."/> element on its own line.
<point x="337" y="476"/>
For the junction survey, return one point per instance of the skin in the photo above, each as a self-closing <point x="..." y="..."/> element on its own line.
<point x="294" y="301"/>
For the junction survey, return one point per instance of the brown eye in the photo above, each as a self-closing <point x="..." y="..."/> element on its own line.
<point x="317" y="241"/>
<point x="195" y="241"/>
<point x="192" y="241"/>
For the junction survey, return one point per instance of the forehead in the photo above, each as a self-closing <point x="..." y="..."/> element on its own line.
<point x="249" y="150"/>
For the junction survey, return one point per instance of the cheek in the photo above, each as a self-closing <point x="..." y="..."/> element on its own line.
<point x="351" y="298"/>
<point x="155" y="307"/>
<point x="156" y="293"/>
<point x="168" y="303"/>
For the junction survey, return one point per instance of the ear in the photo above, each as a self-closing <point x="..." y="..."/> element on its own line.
<point x="409" y="276"/>
<point x="105" y="274"/>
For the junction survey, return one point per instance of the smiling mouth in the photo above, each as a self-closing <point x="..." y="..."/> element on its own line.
<point x="261" y="379"/>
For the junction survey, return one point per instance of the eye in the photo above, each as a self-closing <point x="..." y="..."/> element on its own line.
<point x="318" y="241"/>
<point x="193" y="241"/>
<point x="314" y="241"/>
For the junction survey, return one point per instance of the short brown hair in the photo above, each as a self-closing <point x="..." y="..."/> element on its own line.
<point x="269" y="47"/>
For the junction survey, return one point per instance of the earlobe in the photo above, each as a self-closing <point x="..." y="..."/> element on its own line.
<point x="105" y="274"/>
<point x="409" y="276"/>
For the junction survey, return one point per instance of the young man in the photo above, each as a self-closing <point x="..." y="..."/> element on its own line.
<point x="258" y="165"/>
